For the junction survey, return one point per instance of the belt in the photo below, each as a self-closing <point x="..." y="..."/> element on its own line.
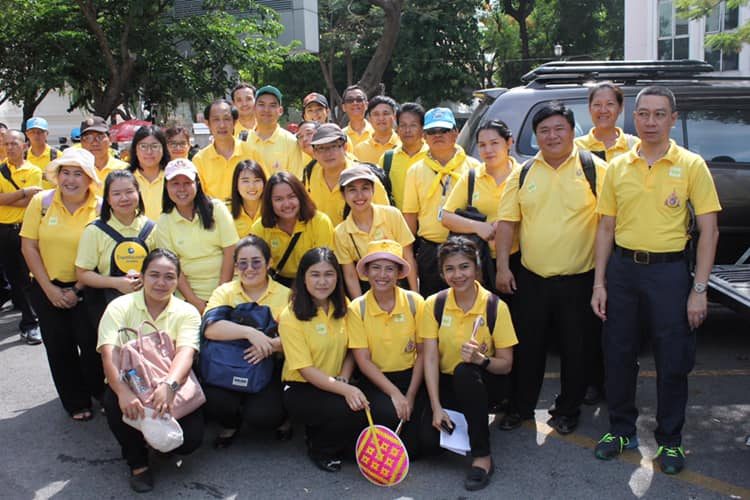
<point x="16" y="227"/>
<point x="645" y="258"/>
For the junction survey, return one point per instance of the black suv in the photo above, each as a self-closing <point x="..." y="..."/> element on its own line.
<point x="714" y="121"/>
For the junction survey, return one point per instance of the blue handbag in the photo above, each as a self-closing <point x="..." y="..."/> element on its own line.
<point x="222" y="363"/>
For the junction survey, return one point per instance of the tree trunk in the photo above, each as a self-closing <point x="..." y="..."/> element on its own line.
<point x="373" y="74"/>
<point x="31" y="101"/>
<point x="520" y="14"/>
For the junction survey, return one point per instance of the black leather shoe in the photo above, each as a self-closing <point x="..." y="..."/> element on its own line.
<point x="143" y="482"/>
<point x="328" y="464"/>
<point x="563" y="424"/>
<point x="284" y="433"/>
<point x="510" y="421"/>
<point x="478" y="478"/>
<point x="594" y="395"/>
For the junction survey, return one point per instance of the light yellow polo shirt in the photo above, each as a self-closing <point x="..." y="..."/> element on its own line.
<point x="350" y="242"/>
<point x="623" y="144"/>
<point x="95" y="247"/>
<point x="391" y="337"/>
<point x="26" y="175"/>
<point x="355" y="137"/>
<point x="112" y="164"/>
<point x="317" y="232"/>
<point x="152" y="193"/>
<point x="180" y="320"/>
<point x="370" y="150"/>
<point x="201" y="251"/>
<point x="58" y="232"/>
<point x="457" y="325"/>
<point x="650" y="204"/>
<point x="278" y="153"/>
<point x="320" y="343"/>
<point x="42" y="161"/>
<point x="215" y="171"/>
<point x="399" y="166"/>
<point x="244" y="223"/>
<point x="417" y="199"/>
<point x="557" y="214"/>
<point x="276" y="297"/>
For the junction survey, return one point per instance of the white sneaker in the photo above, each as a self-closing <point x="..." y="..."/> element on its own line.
<point x="33" y="336"/>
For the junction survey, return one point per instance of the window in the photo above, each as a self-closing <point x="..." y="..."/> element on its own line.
<point x="673" y="40"/>
<point x="720" y="134"/>
<point x="722" y="18"/>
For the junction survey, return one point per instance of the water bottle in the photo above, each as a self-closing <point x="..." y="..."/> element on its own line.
<point x="135" y="382"/>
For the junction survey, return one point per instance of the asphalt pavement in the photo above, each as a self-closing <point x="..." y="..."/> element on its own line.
<point x="44" y="454"/>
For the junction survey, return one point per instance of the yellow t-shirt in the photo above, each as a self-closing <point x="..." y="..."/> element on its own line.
<point x="370" y="150"/>
<point x="420" y="198"/>
<point x="355" y="137"/>
<point x="95" y="247"/>
<point x="244" y="223"/>
<point x="112" y="164"/>
<point x="152" y="193"/>
<point x="650" y="204"/>
<point x="58" y="232"/>
<point x="42" y="161"/>
<point x="201" y="251"/>
<point x="391" y="337"/>
<point x="623" y="144"/>
<point x="320" y="343"/>
<point x="215" y="171"/>
<point x="457" y="325"/>
<point x="276" y="297"/>
<point x="26" y="175"/>
<point x="557" y="214"/>
<point x="350" y="242"/>
<point x="317" y="232"/>
<point x="180" y="320"/>
<point x="399" y="166"/>
<point x="278" y="153"/>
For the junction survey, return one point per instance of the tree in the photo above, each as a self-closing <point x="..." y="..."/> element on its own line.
<point x="726" y="40"/>
<point x="520" y="10"/>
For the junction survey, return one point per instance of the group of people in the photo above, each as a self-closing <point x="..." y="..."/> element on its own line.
<point x="405" y="276"/>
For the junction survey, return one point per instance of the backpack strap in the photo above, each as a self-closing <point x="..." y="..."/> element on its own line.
<point x="146" y="230"/>
<point x="307" y="173"/>
<point x="243" y="136"/>
<point x="53" y="153"/>
<point x="287" y="253"/>
<point x="356" y="249"/>
<point x="362" y="306"/>
<point x="412" y="304"/>
<point x="109" y="230"/>
<point x="5" y="171"/>
<point x="589" y="169"/>
<point x="470" y="186"/>
<point x="491" y="311"/>
<point x="47" y="198"/>
<point x="388" y="162"/>
<point x="524" y="172"/>
<point x="439" y="307"/>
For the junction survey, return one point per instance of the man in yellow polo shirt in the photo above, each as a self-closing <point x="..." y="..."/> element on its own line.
<point x="642" y="269"/>
<point x="216" y="162"/>
<point x="3" y="131"/>
<point x="243" y="98"/>
<point x="40" y="153"/>
<point x="555" y="212"/>
<point x="355" y="106"/>
<point x="95" y="139"/>
<point x="381" y="110"/>
<point x="19" y="182"/>
<point x="274" y="147"/>
<point x="426" y="187"/>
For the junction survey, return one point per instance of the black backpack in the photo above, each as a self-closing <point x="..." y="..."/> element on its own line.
<point x="491" y="311"/>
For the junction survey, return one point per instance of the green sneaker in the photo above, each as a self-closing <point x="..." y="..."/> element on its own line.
<point x="671" y="459"/>
<point x="609" y="446"/>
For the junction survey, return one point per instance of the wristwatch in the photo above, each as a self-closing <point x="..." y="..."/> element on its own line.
<point x="173" y="386"/>
<point x="699" y="287"/>
<point x="485" y="363"/>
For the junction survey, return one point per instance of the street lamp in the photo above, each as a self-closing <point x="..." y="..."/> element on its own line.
<point x="558" y="50"/>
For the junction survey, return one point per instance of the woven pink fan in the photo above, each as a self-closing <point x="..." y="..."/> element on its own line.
<point x="381" y="455"/>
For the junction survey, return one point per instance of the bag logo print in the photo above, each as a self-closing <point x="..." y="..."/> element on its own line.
<point x="240" y="381"/>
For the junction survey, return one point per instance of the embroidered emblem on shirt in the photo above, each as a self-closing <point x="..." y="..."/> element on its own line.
<point x="410" y="346"/>
<point x="673" y="201"/>
<point x="321" y="329"/>
<point x="274" y="243"/>
<point x="675" y="172"/>
<point x="378" y="234"/>
<point x="579" y="172"/>
<point x="447" y="321"/>
<point x="398" y="318"/>
<point x="52" y="221"/>
<point x="532" y="187"/>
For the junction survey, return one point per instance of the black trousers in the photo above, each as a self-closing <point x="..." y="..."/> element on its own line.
<point x="384" y="413"/>
<point x="134" y="449"/>
<point x="659" y="292"/>
<point x="331" y="427"/>
<point x="17" y="274"/>
<point x="547" y="308"/>
<point x="70" y="343"/>
<point x="428" y="270"/>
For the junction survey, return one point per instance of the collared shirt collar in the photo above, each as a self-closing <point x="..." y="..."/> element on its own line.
<point x="378" y="219"/>
<point x="476" y="308"/>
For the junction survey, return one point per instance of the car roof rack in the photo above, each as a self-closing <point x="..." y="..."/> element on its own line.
<point x="560" y="72"/>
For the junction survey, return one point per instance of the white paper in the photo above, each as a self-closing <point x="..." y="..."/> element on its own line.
<point x="458" y="442"/>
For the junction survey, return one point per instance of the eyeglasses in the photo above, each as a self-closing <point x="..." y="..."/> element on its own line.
<point x="177" y="145"/>
<point x="328" y="148"/>
<point x="436" y="131"/>
<point x="154" y="147"/>
<point x="93" y="138"/>
<point x="358" y="100"/>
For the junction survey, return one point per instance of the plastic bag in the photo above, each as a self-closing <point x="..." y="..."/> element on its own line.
<point x="162" y="434"/>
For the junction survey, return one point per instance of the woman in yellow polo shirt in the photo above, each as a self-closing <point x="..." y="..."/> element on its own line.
<point x="317" y="365"/>
<point x="606" y="139"/>
<point x="382" y="328"/>
<point x="290" y="224"/>
<point x="199" y="230"/>
<point x="52" y="225"/>
<point x="265" y="409"/>
<point x="148" y="159"/>
<point x="366" y="222"/>
<point x="156" y="303"/>
<point x="464" y="357"/>
<point x="248" y="181"/>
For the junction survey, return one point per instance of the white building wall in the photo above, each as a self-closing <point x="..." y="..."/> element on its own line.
<point x="53" y="108"/>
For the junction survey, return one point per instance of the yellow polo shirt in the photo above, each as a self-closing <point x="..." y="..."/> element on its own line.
<point x="350" y="242"/>
<point x="95" y="247"/>
<point x="152" y="193"/>
<point x="276" y="297"/>
<point x="239" y="128"/>
<point x="391" y="337"/>
<point x="58" y="232"/>
<point x="557" y="214"/>
<point x="457" y="325"/>
<point x="317" y="232"/>
<point x="278" y="153"/>
<point x="487" y="196"/>
<point x="42" y="161"/>
<point x="331" y="201"/>
<point x="320" y="343"/>
<point x="399" y="166"/>
<point x="650" y="204"/>
<point x="355" y="137"/>
<point x="112" y="164"/>
<point x="201" y="251"/>
<point x="370" y="150"/>
<point x="623" y="144"/>
<point x="244" y="223"/>
<point x="215" y="171"/>
<point x="428" y="206"/>
<point x="180" y="320"/>
<point x="25" y="175"/>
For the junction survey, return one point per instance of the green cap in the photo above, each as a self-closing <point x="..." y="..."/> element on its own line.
<point x="268" y="89"/>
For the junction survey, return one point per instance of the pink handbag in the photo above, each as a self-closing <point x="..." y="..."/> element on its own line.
<point x="144" y="363"/>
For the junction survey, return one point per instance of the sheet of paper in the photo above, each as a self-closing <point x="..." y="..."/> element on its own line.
<point x="458" y="442"/>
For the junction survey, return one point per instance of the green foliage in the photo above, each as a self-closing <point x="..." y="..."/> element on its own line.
<point x="728" y="40"/>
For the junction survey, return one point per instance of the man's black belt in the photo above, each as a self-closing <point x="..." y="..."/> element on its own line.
<point x="645" y="258"/>
<point x="17" y="226"/>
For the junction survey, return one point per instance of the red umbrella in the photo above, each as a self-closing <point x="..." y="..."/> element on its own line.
<point x="124" y="131"/>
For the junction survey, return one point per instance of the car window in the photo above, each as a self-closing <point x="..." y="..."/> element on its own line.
<point x="466" y="136"/>
<point x="719" y="135"/>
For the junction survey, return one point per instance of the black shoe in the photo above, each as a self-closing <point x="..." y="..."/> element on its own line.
<point x="510" y="421"/>
<point x="594" y="395"/>
<point x="563" y="424"/>
<point x="326" y="463"/>
<point x="143" y="482"/>
<point x="478" y="478"/>
<point x="222" y="442"/>
<point x="284" y="433"/>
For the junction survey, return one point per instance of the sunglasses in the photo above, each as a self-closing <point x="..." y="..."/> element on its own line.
<point x="436" y="131"/>
<point x="358" y="100"/>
